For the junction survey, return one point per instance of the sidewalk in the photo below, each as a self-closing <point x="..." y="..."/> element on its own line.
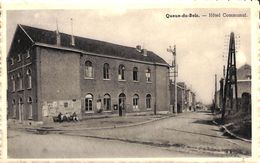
<point x="94" y="122"/>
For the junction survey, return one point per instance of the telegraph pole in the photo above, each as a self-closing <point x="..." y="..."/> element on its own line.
<point x="215" y="92"/>
<point x="174" y="67"/>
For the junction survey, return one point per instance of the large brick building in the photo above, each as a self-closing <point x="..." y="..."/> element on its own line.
<point x="51" y="72"/>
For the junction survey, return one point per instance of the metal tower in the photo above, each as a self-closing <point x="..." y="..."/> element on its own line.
<point x="230" y="86"/>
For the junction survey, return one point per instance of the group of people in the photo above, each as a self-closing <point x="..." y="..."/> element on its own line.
<point x="67" y="117"/>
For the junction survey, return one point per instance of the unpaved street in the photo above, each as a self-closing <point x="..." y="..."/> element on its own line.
<point x="188" y="134"/>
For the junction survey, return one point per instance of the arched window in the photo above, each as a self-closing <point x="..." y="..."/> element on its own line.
<point x="106" y="71"/>
<point x="13" y="83"/>
<point x="148" y="101"/>
<point x="29" y="101"/>
<point x="89" y="102"/>
<point x="121" y="72"/>
<point x="14" y="108"/>
<point x="20" y="81"/>
<point x="20" y="109"/>
<point x="148" y="75"/>
<point x="88" y="69"/>
<point x="11" y="61"/>
<point x="135" y="74"/>
<point x="107" y="102"/>
<point x="121" y="100"/>
<point x="135" y="101"/>
<point x="29" y="78"/>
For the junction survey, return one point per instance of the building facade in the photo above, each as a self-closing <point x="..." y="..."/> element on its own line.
<point x="186" y="99"/>
<point x="51" y="72"/>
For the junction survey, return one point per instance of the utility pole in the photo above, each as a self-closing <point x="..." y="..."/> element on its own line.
<point x="231" y="77"/>
<point x="215" y="92"/>
<point x="174" y="67"/>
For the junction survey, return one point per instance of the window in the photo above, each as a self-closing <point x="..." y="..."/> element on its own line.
<point x="88" y="102"/>
<point x="107" y="102"/>
<point x="135" y="74"/>
<point x="30" y="107"/>
<point x="148" y="75"/>
<point x="135" y="101"/>
<point x="28" y="54"/>
<point x="11" y="61"/>
<point x="148" y="101"/>
<point x="106" y="71"/>
<point x="121" y="101"/>
<point x="88" y="69"/>
<point x="20" y="81"/>
<point x="121" y="72"/>
<point x="29" y="78"/>
<point x="13" y="83"/>
<point x="19" y="57"/>
<point x="14" y="108"/>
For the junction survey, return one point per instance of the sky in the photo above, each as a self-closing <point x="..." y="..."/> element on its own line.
<point x="201" y="43"/>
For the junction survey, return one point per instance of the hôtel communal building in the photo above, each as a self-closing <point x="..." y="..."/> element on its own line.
<point x="50" y="72"/>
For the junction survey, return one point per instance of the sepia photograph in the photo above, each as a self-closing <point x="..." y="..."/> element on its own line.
<point x="129" y="83"/>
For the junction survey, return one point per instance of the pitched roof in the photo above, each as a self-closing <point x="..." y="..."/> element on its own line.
<point x="90" y="45"/>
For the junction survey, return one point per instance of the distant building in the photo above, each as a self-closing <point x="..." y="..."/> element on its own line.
<point x="243" y="88"/>
<point x="51" y="72"/>
<point x="186" y="99"/>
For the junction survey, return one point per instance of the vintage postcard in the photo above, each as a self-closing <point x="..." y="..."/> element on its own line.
<point x="130" y="81"/>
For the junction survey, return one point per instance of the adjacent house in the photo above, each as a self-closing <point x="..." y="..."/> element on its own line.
<point x="51" y="72"/>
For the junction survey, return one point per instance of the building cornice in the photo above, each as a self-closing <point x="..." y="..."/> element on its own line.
<point x="95" y="54"/>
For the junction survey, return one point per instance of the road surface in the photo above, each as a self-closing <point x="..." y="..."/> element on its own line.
<point x="187" y="135"/>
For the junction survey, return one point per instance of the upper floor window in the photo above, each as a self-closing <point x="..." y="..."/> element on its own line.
<point x="13" y="83"/>
<point x="28" y="54"/>
<point x="11" y="61"/>
<point x="148" y="75"/>
<point x="135" y="74"/>
<point x="106" y="71"/>
<point x="121" y="72"/>
<point x="88" y="69"/>
<point x="19" y="57"/>
<point x="20" y="81"/>
<point x="29" y="78"/>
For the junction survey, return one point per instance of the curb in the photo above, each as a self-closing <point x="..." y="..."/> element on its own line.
<point x="232" y="134"/>
<point x="99" y="128"/>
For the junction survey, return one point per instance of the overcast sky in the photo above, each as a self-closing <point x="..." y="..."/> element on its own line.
<point x="201" y="42"/>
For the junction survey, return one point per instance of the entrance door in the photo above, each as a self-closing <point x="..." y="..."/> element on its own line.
<point x="121" y="102"/>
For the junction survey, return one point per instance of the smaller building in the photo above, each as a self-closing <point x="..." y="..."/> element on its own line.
<point x="186" y="99"/>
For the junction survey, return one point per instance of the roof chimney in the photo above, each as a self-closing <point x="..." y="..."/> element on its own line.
<point x="139" y="48"/>
<point x="144" y="52"/>
<point x="72" y="37"/>
<point x="57" y="34"/>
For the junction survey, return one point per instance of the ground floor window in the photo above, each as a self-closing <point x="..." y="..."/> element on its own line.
<point x="88" y="102"/>
<point x="107" y="102"/>
<point x="30" y="108"/>
<point x="121" y="100"/>
<point x="135" y="101"/>
<point x="14" y="108"/>
<point x="148" y="101"/>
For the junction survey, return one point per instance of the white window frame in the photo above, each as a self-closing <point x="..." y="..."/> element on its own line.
<point x="148" y="75"/>
<point x="89" y="99"/>
<point x="135" y="74"/>
<point x="107" y="102"/>
<point x="29" y="101"/>
<point x="121" y="73"/>
<point x="106" y="71"/>
<point x="89" y="70"/>
<point x="136" y="102"/>
<point x="150" y="101"/>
